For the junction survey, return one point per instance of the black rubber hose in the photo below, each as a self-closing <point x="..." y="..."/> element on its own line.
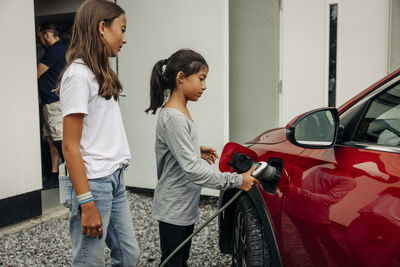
<point x="201" y="227"/>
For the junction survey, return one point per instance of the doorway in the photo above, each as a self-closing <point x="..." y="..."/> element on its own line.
<point x="61" y="14"/>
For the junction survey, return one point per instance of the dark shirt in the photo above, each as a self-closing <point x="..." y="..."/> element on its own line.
<point x="54" y="58"/>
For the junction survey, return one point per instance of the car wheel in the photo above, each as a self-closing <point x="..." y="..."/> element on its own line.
<point x="249" y="248"/>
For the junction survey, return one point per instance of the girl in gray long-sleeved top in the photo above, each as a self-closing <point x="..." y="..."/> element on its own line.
<point x="179" y="169"/>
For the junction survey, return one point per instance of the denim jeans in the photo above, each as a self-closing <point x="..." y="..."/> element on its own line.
<point x="118" y="233"/>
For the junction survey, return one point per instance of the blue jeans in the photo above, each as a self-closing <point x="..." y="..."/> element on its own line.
<point x="118" y="233"/>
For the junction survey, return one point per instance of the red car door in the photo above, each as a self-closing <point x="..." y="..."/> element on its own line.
<point x="341" y="206"/>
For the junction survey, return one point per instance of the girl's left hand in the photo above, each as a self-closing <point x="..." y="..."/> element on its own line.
<point x="209" y="154"/>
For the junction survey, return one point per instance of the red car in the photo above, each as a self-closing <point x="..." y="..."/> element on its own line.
<point x="336" y="198"/>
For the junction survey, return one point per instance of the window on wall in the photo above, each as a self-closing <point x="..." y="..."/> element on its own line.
<point x="333" y="16"/>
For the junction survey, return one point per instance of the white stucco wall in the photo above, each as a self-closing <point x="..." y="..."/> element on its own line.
<point x="362" y="51"/>
<point x="155" y="30"/>
<point x="153" y="33"/>
<point x="253" y="68"/>
<point x="394" y="56"/>
<point x="304" y="55"/>
<point x="20" y="166"/>
<point x="363" y="46"/>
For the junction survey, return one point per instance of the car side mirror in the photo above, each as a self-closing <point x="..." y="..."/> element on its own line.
<point x="314" y="129"/>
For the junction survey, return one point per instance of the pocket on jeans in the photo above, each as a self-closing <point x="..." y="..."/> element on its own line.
<point x="66" y="188"/>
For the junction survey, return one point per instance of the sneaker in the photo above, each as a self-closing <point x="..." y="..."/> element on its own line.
<point x="53" y="181"/>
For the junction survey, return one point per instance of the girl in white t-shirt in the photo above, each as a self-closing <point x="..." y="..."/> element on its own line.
<point x="95" y="145"/>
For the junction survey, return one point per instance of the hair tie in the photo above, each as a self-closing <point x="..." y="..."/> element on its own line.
<point x="164" y="67"/>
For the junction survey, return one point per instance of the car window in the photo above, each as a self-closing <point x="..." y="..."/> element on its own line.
<point x="381" y="124"/>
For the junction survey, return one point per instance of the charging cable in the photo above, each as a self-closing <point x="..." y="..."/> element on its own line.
<point x="263" y="172"/>
<point x="201" y="227"/>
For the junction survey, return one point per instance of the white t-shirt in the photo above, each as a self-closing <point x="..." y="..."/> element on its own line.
<point x="103" y="145"/>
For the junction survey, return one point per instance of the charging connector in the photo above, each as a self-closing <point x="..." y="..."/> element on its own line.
<point x="260" y="166"/>
<point x="264" y="172"/>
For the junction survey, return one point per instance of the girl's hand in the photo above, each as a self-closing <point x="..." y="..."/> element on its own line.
<point x="209" y="154"/>
<point x="248" y="180"/>
<point x="91" y="220"/>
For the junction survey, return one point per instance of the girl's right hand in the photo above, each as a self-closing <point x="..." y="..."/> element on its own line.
<point x="91" y="220"/>
<point x="248" y="180"/>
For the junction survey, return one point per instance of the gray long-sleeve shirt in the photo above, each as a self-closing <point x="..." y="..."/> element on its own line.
<point x="181" y="174"/>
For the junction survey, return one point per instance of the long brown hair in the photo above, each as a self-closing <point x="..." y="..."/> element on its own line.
<point x="87" y="44"/>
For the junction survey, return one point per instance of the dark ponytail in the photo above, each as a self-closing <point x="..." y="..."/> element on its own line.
<point x="163" y="75"/>
<point x="158" y="86"/>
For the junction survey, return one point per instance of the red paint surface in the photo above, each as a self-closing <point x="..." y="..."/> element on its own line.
<point x="334" y="207"/>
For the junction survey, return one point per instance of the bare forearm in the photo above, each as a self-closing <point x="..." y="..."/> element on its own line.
<point x="73" y="124"/>
<point x="41" y="69"/>
<point x="77" y="171"/>
<point x="72" y="132"/>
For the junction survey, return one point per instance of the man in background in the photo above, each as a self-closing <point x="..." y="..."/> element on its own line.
<point x="48" y="73"/>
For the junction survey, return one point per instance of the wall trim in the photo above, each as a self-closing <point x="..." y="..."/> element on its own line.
<point x="21" y="207"/>
<point x="141" y="190"/>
